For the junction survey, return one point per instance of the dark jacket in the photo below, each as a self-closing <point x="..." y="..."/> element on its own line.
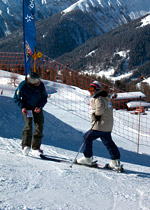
<point x="30" y="97"/>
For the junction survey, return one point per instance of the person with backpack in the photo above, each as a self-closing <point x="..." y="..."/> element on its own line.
<point x="31" y="97"/>
<point x="101" y="112"/>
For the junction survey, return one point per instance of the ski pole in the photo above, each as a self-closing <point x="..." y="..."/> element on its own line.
<point x="82" y="145"/>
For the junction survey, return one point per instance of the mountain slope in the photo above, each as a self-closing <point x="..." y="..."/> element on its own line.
<point x="11" y="12"/>
<point x="73" y="26"/>
<point x="123" y="50"/>
<point x="135" y="8"/>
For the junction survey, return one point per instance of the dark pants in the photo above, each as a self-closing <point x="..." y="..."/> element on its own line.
<point x="34" y="140"/>
<point x="107" y="141"/>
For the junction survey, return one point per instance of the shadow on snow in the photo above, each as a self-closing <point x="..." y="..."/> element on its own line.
<point x="57" y="133"/>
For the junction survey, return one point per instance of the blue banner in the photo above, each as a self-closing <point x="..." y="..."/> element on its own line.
<point x="29" y="32"/>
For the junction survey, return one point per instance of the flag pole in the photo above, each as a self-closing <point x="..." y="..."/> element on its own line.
<point x="35" y="56"/>
<point x="24" y="37"/>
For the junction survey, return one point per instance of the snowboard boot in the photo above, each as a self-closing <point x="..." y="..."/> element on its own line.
<point x="85" y="161"/>
<point x="115" y="164"/>
<point x="26" y="150"/>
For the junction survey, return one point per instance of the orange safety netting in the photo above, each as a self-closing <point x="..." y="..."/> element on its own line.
<point x="130" y="122"/>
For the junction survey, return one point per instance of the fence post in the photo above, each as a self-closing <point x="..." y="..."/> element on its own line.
<point x="139" y="126"/>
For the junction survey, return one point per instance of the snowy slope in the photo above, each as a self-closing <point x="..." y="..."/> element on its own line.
<point x="11" y="12"/>
<point x="31" y="184"/>
<point x="109" y="14"/>
<point x="134" y="8"/>
<point x="100" y="10"/>
<point x="145" y="21"/>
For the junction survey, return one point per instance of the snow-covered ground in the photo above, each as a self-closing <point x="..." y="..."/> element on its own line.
<point x="32" y="184"/>
<point x="145" y="21"/>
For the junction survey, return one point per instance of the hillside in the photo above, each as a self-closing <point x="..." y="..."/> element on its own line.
<point x="11" y="13"/>
<point x="69" y="28"/>
<point x="125" y="49"/>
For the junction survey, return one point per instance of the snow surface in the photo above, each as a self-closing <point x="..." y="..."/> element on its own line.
<point x="31" y="184"/>
<point x="135" y="104"/>
<point x="108" y="74"/>
<point x="145" y="21"/>
<point x="122" y="53"/>
<point x="128" y="95"/>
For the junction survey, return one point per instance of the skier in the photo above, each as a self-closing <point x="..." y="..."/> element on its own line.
<point x="31" y="96"/>
<point x="102" y="121"/>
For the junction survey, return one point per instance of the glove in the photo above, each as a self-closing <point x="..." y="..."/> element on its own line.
<point x="97" y="117"/>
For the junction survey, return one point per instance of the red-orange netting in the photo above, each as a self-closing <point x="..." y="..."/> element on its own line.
<point x="131" y="113"/>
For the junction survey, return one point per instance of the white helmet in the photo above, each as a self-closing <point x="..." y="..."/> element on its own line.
<point x="33" y="78"/>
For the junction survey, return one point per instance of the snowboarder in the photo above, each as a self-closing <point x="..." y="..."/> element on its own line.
<point x="102" y="121"/>
<point x="31" y="97"/>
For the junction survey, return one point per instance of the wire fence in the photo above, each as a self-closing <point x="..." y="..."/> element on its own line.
<point x="131" y="112"/>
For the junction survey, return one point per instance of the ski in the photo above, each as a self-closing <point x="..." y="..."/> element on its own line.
<point x="55" y="159"/>
<point x="70" y="161"/>
<point x="49" y="158"/>
<point x="106" y="167"/>
<point x="94" y="164"/>
<point x="101" y="167"/>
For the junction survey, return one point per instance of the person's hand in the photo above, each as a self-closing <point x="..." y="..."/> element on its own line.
<point x="24" y="111"/>
<point x="37" y="110"/>
<point x="97" y="117"/>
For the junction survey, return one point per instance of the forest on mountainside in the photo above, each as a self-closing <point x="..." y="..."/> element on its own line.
<point x="130" y="38"/>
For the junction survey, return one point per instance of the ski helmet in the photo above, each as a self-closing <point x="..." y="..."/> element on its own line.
<point x="95" y="86"/>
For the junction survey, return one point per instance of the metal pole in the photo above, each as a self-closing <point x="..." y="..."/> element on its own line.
<point x="82" y="145"/>
<point x="139" y="126"/>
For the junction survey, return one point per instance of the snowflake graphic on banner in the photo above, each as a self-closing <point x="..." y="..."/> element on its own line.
<point x="29" y="18"/>
<point x="31" y="5"/>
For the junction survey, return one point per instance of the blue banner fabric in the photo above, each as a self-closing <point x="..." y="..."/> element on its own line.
<point x="29" y="32"/>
